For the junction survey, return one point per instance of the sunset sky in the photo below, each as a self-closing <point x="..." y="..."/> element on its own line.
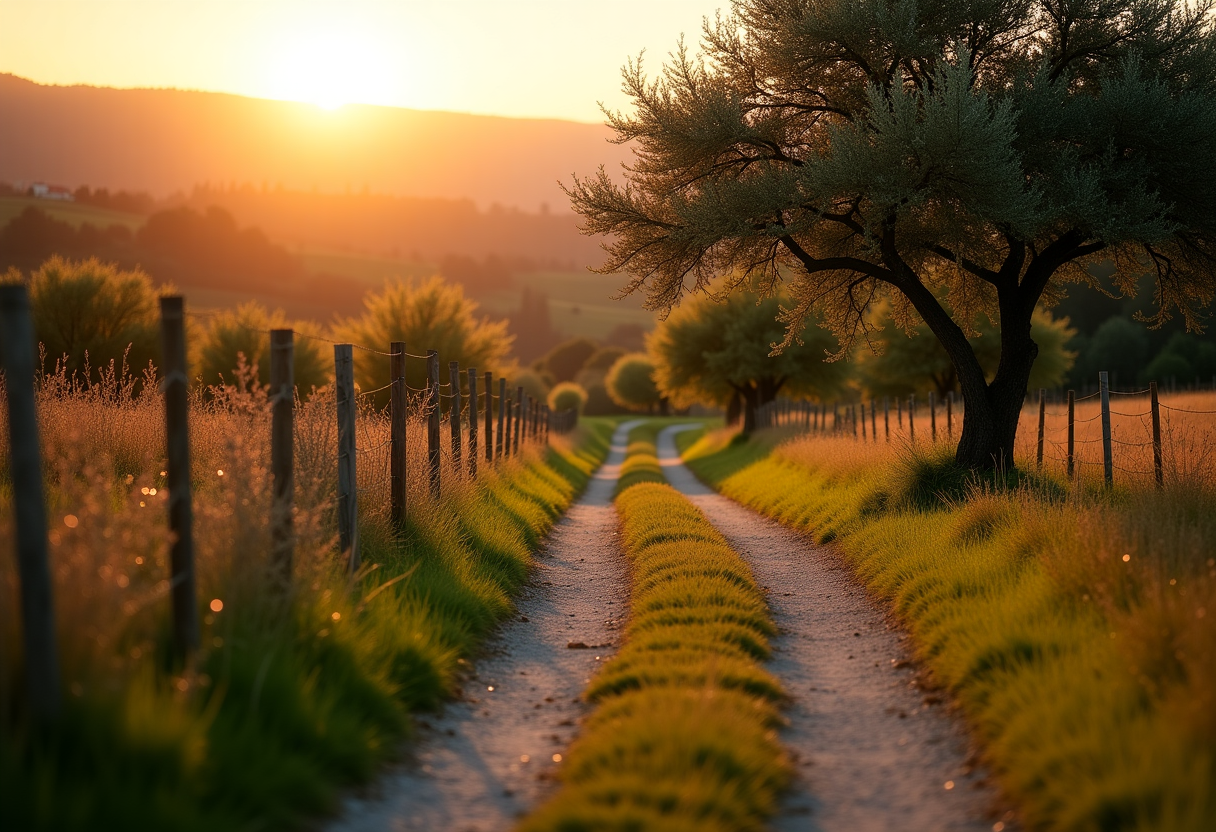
<point x="546" y="58"/>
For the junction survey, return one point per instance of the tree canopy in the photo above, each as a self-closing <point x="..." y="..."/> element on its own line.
<point x="708" y="351"/>
<point x="918" y="363"/>
<point x="91" y="313"/>
<point x="931" y="154"/>
<point x="631" y="383"/>
<point x="431" y="315"/>
<point x="244" y="330"/>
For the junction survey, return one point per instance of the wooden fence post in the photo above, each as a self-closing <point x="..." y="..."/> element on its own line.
<point x="473" y="422"/>
<point x="282" y="448"/>
<point x="1042" y="425"/>
<point x="506" y="442"/>
<point x="1108" y="462"/>
<point x="502" y="418"/>
<point x="873" y="420"/>
<point x="863" y="421"/>
<point x="432" y="421"/>
<point x="886" y="416"/>
<point x="39" y="643"/>
<point x="348" y="483"/>
<point x="899" y="411"/>
<point x="950" y="415"/>
<point x="489" y="437"/>
<point x="1072" y="405"/>
<point x="398" y="398"/>
<point x="933" y="416"/>
<point x="911" y="410"/>
<point x="181" y="507"/>
<point x="454" y="414"/>
<point x="519" y="412"/>
<point x="521" y="433"/>
<point x="1158" y="469"/>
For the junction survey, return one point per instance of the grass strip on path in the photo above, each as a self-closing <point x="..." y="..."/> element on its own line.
<point x="293" y="695"/>
<point x="1073" y="635"/>
<point x="684" y="736"/>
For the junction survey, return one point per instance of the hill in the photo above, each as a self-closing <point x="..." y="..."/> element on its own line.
<point x="164" y="140"/>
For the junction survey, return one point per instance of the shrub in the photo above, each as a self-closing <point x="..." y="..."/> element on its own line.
<point x="431" y="315"/>
<point x="631" y="383"/>
<point x="243" y="331"/>
<point x="567" y="396"/>
<point x="90" y="313"/>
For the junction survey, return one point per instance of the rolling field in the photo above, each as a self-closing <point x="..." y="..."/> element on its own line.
<point x="74" y="213"/>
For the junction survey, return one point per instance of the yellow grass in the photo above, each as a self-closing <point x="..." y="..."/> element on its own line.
<point x="1075" y="627"/>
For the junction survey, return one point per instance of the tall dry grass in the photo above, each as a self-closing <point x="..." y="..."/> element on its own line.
<point x="338" y="662"/>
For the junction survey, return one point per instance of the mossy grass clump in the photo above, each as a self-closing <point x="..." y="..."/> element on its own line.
<point x="684" y="733"/>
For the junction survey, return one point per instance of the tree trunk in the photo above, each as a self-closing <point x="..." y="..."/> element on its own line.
<point x="989" y="430"/>
<point x="751" y="400"/>
<point x="990" y="414"/>
<point x="664" y="407"/>
<point x="734" y="409"/>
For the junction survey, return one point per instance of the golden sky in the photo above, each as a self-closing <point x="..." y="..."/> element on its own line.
<point x="546" y="58"/>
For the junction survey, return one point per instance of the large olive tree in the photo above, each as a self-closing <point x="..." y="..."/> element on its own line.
<point x="962" y="155"/>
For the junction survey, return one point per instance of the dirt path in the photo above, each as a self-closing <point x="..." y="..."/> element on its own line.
<point x="489" y="757"/>
<point x="873" y="752"/>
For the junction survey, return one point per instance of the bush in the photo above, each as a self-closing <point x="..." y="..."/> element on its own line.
<point x="244" y="331"/>
<point x="432" y="315"/>
<point x="533" y="383"/>
<point x="631" y="383"/>
<point x="567" y="396"/>
<point x="92" y="314"/>
<point x="566" y="359"/>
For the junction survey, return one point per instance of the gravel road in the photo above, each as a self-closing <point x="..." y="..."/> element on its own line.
<point x="491" y="755"/>
<point x="873" y="751"/>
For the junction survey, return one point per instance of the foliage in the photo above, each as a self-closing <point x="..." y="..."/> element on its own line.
<point x="567" y="396"/>
<point x="707" y="351"/>
<point x="1184" y="358"/>
<point x="1120" y="347"/>
<point x="631" y="382"/>
<point x="598" y="403"/>
<point x="915" y="362"/>
<point x="1068" y="632"/>
<point x="532" y="382"/>
<point x="682" y="737"/>
<point x="91" y="312"/>
<point x="566" y="359"/>
<point x="244" y="331"/>
<point x="430" y="315"/>
<point x="292" y="694"/>
<point x="603" y="359"/>
<point x="924" y="153"/>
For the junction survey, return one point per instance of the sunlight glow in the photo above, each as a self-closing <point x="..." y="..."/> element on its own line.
<point x="330" y="67"/>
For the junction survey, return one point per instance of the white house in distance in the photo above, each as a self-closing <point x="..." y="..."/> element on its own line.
<point x="41" y="190"/>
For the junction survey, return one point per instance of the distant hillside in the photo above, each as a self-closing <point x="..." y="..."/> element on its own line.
<point x="163" y="141"/>
<point x="412" y="227"/>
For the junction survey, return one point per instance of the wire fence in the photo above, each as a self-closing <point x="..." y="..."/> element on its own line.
<point x="368" y="443"/>
<point x="1143" y="440"/>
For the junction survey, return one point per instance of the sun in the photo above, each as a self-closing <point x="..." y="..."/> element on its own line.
<point x="330" y="69"/>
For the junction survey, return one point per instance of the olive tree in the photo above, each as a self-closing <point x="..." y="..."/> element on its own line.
<point x="948" y="157"/>
<point x="710" y="351"/>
